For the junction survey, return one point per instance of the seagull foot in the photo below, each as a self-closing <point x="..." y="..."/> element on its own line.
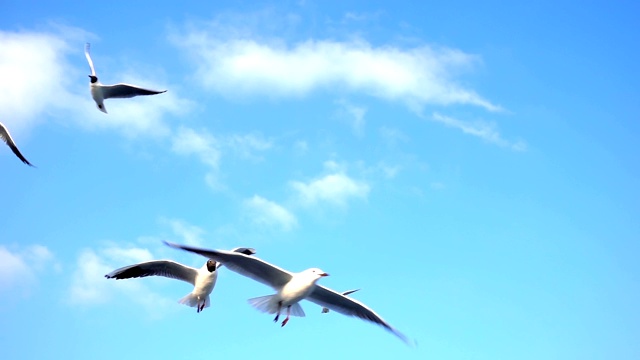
<point x="285" y="322"/>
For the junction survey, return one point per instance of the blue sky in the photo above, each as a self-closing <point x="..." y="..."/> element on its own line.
<point x="470" y="166"/>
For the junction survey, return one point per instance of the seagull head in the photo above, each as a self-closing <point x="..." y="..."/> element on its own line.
<point x="94" y="79"/>
<point x="316" y="273"/>
<point x="211" y="265"/>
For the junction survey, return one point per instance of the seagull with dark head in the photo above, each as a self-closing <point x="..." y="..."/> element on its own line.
<point x="101" y="92"/>
<point x="290" y="288"/>
<point x="203" y="279"/>
<point x="6" y="137"/>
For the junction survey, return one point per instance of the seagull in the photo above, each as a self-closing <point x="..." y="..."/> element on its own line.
<point x="203" y="279"/>
<point x="4" y="135"/>
<point x="326" y="310"/>
<point x="290" y="287"/>
<point x="101" y="92"/>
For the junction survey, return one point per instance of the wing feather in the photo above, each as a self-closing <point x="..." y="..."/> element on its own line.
<point x="126" y="91"/>
<point x="6" y="137"/>
<point x="166" y="268"/>
<point x="347" y="306"/>
<point x="87" y="48"/>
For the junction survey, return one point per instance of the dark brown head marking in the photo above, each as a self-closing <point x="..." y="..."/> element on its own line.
<point x="211" y="265"/>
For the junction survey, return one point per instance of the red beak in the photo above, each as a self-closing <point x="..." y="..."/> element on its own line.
<point x="324" y="274"/>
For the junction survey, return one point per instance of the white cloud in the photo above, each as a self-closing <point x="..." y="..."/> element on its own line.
<point x="90" y="287"/>
<point x="189" y="234"/>
<point x="22" y="266"/>
<point x="335" y="188"/>
<point x="483" y="130"/>
<point x="34" y="72"/>
<point x="240" y="65"/>
<point x="268" y="213"/>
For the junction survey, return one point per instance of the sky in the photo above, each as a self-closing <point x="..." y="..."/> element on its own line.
<point x="470" y="166"/>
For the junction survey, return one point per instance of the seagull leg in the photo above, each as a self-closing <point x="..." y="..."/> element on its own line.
<point x="278" y="313"/>
<point x="286" y="320"/>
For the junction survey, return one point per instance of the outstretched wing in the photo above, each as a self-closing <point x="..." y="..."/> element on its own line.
<point x="166" y="268"/>
<point x="243" y="250"/>
<point x="6" y="137"/>
<point x="347" y="306"/>
<point x="87" y="48"/>
<point x="249" y="266"/>
<point x="126" y="91"/>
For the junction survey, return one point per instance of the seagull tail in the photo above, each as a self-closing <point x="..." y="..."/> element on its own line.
<point x="192" y="300"/>
<point x="264" y="304"/>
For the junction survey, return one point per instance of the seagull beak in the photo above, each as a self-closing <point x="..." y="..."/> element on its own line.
<point x="324" y="274"/>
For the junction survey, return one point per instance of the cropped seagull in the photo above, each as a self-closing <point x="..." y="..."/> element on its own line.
<point x="203" y="279"/>
<point x="290" y="287"/>
<point x="6" y="137"/>
<point x="101" y="92"/>
<point x="326" y="310"/>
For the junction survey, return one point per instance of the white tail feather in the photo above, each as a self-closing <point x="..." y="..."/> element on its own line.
<point x="264" y="304"/>
<point x="296" y="310"/>
<point x="267" y="305"/>
<point x="192" y="300"/>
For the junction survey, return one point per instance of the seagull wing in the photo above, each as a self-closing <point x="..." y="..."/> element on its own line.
<point x="6" y="137"/>
<point x="244" y="250"/>
<point x="126" y="91"/>
<point x="166" y="268"/>
<point x="249" y="266"/>
<point x="87" y="48"/>
<point x="347" y="306"/>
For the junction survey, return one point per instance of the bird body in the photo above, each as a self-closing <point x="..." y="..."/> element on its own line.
<point x="100" y="92"/>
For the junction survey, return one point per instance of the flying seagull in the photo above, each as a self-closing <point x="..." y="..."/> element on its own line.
<point x="101" y="92"/>
<point x="326" y="310"/>
<point x="203" y="279"/>
<point x="290" y="287"/>
<point x="6" y="137"/>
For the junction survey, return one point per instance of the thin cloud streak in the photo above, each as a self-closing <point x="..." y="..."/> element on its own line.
<point x="483" y="130"/>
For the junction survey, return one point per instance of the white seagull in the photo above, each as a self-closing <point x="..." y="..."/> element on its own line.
<point x="290" y="287"/>
<point x="203" y="279"/>
<point x="6" y="137"/>
<point x="101" y="92"/>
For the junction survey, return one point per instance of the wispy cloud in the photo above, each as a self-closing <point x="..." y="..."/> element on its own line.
<point x="239" y="64"/>
<point x="355" y="115"/>
<point x="89" y="287"/>
<point x="392" y="136"/>
<point x="20" y="267"/>
<point x="268" y="213"/>
<point x="210" y="149"/>
<point x="200" y="143"/>
<point x="334" y="188"/>
<point x="189" y="234"/>
<point x="483" y="130"/>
